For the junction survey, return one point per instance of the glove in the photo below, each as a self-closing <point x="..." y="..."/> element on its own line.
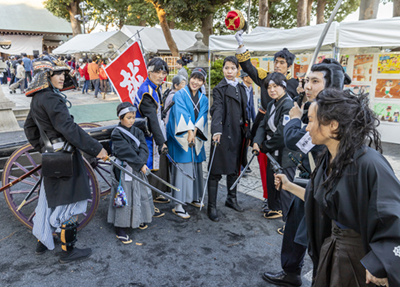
<point x="239" y="37"/>
<point x="163" y="150"/>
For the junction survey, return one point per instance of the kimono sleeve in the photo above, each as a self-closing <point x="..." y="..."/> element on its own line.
<point x="62" y="121"/>
<point x="293" y="133"/>
<point x="148" y="108"/>
<point x="383" y="230"/>
<point x="183" y="117"/>
<point x="201" y="122"/>
<point x="260" y="134"/>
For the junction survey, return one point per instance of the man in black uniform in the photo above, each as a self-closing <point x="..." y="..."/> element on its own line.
<point x="328" y="74"/>
<point x="49" y="127"/>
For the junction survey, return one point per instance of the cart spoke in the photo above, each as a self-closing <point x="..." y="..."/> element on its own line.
<point x="84" y="214"/>
<point x="30" y="159"/>
<point x="102" y="176"/>
<point x="31" y="216"/>
<point x="31" y="200"/>
<point x="19" y="191"/>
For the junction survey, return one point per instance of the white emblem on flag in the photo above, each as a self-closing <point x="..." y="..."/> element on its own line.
<point x="131" y="81"/>
<point x="396" y="251"/>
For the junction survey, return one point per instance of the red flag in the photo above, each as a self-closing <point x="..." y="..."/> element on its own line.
<point x="127" y="73"/>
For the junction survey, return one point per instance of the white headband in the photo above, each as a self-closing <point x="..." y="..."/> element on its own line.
<point x="127" y="110"/>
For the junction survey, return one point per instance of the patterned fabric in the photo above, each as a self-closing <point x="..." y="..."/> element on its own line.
<point x="243" y="56"/>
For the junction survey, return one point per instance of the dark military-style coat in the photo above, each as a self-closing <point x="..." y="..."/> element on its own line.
<point x="227" y="110"/>
<point x="50" y="110"/>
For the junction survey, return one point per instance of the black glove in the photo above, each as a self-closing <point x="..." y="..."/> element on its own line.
<point x="162" y="150"/>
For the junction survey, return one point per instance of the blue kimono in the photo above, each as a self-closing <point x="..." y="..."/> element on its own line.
<point x="181" y="120"/>
<point x="148" y="105"/>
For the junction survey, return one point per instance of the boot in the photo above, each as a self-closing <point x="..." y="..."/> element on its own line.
<point x="104" y="96"/>
<point x="231" y="200"/>
<point x="68" y="238"/>
<point x="40" y="248"/>
<point x="212" y="199"/>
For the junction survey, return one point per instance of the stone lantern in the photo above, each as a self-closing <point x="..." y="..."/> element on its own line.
<point x="200" y="53"/>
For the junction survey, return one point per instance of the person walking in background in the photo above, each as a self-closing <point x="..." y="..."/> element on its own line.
<point x="28" y="69"/>
<point x="83" y="70"/>
<point x="103" y="79"/>
<point x="93" y="70"/>
<point x="20" y="78"/>
<point x="182" y="71"/>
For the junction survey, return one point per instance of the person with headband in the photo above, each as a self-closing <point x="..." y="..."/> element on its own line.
<point x="352" y="203"/>
<point x="130" y="148"/>
<point x="228" y="128"/>
<point x="61" y="200"/>
<point x="148" y="102"/>
<point x="186" y="133"/>
<point x="269" y="139"/>
<point x="328" y="74"/>
<point x="178" y="82"/>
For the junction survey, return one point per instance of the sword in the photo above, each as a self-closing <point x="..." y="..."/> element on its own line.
<point x="322" y="38"/>
<point x="276" y="167"/>
<point x="148" y="172"/>
<point x="216" y="143"/>
<point x="255" y="153"/>
<point x="178" y="167"/>
<point x="29" y="194"/>
<point x="111" y="160"/>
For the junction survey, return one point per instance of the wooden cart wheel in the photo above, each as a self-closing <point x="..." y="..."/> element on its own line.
<point x="19" y="163"/>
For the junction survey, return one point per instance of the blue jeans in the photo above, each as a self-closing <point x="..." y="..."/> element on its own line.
<point x="96" y="85"/>
<point x="85" y="86"/>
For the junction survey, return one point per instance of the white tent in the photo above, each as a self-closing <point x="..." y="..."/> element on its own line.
<point x="370" y="33"/>
<point x="153" y="39"/>
<point x="268" y="40"/>
<point x="23" y="44"/>
<point x="92" y="43"/>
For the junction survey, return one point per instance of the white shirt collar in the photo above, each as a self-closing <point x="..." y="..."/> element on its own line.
<point x="232" y="83"/>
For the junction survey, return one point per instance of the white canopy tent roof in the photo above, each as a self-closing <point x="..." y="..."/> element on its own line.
<point x="370" y="33"/>
<point x="153" y="39"/>
<point x="92" y="43"/>
<point x="267" y="40"/>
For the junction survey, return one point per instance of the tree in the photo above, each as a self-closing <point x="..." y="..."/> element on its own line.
<point x="263" y="13"/>
<point x="162" y="16"/>
<point x="302" y="13"/>
<point x="396" y="8"/>
<point x="368" y="9"/>
<point x="66" y="9"/>
<point x="321" y="11"/>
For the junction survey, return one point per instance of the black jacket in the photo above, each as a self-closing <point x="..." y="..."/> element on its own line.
<point x="126" y="149"/>
<point x="226" y="112"/>
<point x="366" y="199"/>
<point x="50" y="110"/>
<point x="276" y="142"/>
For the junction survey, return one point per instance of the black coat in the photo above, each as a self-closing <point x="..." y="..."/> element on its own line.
<point x="126" y="149"/>
<point x="366" y="199"/>
<point x="54" y="118"/>
<point x="226" y="112"/>
<point x="276" y="142"/>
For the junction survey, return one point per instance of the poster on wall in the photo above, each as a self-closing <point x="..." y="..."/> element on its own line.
<point x="389" y="64"/>
<point x="362" y="71"/>
<point x="388" y="112"/>
<point x="344" y="61"/>
<point x="358" y="89"/>
<point x="267" y="63"/>
<point x="387" y="88"/>
<point x="300" y="66"/>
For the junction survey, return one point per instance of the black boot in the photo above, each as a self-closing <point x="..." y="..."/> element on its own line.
<point x="212" y="199"/>
<point x="231" y="200"/>
<point x="283" y="279"/>
<point x="40" y="248"/>
<point x="69" y="251"/>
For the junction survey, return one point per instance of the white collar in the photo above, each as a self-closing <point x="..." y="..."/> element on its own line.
<point x="232" y="83"/>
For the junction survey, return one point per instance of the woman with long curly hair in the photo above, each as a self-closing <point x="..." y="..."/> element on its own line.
<point x="352" y="202"/>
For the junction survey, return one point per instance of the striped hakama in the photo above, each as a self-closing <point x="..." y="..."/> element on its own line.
<point x="189" y="190"/>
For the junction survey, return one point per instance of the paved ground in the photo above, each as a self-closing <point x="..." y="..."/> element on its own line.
<point x="171" y="252"/>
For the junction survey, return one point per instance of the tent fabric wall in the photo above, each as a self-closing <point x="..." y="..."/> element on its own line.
<point x="153" y="39"/>
<point x="92" y="43"/>
<point x="23" y="44"/>
<point x="370" y="33"/>
<point x="267" y="40"/>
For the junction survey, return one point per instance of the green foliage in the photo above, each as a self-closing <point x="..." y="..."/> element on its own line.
<point x="216" y="72"/>
<point x="347" y="7"/>
<point x="58" y="8"/>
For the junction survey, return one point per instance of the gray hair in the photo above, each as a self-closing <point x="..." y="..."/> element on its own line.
<point x="177" y="80"/>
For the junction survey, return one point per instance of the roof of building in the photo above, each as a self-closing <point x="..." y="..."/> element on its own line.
<point x="30" y="16"/>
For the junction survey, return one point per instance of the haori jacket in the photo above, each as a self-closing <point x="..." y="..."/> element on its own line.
<point x="182" y="119"/>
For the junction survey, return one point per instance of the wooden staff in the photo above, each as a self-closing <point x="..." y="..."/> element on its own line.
<point x="21" y="178"/>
